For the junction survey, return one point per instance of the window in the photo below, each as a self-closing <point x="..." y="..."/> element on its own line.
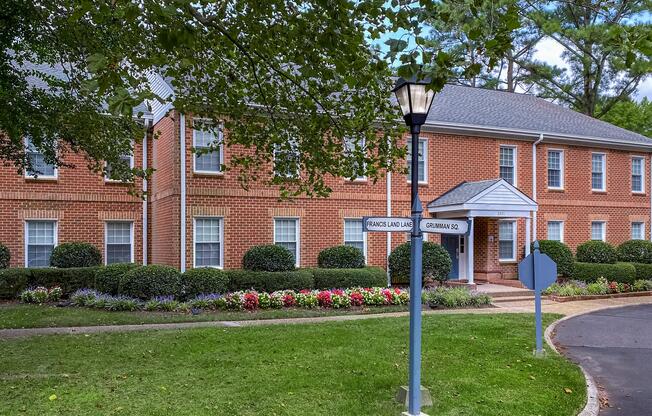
<point x="39" y="167"/>
<point x="597" y="171"/>
<point x="556" y="231"/>
<point x="208" y="242"/>
<point x="40" y="239"/>
<point x="598" y="230"/>
<point x="507" y="240"/>
<point x="357" y="165"/>
<point x="638" y="231"/>
<point x="638" y="183"/>
<point x="127" y="160"/>
<point x="507" y="163"/>
<point x="286" y="234"/>
<point x="119" y="242"/>
<point x="287" y="161"/>
<point x="555" y="169"/>
<point x="422" y="162"/>
<point x="207" y="136"/>
<point x="354" y="236"/>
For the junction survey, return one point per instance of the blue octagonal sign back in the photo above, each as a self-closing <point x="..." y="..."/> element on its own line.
<point x="542" y="276"/>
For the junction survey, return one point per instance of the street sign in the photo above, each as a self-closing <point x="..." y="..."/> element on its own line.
<point x="386" y="224"/>
<point x="537" y="271"/>
<point x="431" y="225"/>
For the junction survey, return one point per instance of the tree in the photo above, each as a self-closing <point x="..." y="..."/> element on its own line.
<point x="606" y="43"/>
<point x="632" y="116"/>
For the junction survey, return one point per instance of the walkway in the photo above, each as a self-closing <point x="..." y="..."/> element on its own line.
<point x="615" y="347"/>
<point x="518" y="306"/>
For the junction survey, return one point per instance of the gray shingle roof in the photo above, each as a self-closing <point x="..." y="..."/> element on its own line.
<point x="462" y="193"/>
<point x="512" y="111"/>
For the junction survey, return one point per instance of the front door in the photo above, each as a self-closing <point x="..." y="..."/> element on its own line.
<point x="452" y="243"/>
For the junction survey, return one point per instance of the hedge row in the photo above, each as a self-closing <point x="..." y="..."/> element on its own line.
<point x="154" y="280"/>
<point x="616" y="272"/>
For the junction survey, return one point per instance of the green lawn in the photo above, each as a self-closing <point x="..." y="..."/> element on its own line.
<point x="472" y="364"/>
<point x="18" y="315"/>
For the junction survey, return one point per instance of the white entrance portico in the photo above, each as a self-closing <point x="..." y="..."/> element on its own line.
<point x="493" y="198"/>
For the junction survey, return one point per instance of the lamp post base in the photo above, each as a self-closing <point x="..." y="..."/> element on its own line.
<point x="402" y="396"/>
<point x="410" y="414"/>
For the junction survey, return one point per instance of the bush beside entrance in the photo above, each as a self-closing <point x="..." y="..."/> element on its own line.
<point x="436" y="263"/>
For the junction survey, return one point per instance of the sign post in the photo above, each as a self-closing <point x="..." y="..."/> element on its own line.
<point x="537" y="271"/>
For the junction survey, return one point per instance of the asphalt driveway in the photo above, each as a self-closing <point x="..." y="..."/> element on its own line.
<point x="615" y="347"/>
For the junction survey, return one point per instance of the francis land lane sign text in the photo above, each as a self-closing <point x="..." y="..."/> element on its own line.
<point x="427" y="225"/>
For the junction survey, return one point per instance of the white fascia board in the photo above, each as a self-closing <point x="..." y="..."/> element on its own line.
<point x="527" y="200"/>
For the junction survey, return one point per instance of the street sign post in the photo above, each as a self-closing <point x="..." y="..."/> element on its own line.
<point x="537" y="272"/>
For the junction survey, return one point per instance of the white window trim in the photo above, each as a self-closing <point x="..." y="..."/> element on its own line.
<point x="298" y="234"/>
<point x="364" y="236"/>
<point x="106" y="239"/>
<point x="561" y="230"/>
<point x="632" y="229"/>
<point x="642" y="159"/>
<point x="514" y="240"/>
<point x="604" y="172"/>
<point x="194" y="241"/>
<point x="561" y="169"/>
<point x="604" y="230"/>
<point x="362" y="178"/>
<point x="25" y="235"/>
<point x="131" y="166"/>
<point x="510" y="146"/>
<point x="220" y="139"/>
<point x="425" y="163"/>
<point x="54" y="176"/>
<point x="295" y="175"/>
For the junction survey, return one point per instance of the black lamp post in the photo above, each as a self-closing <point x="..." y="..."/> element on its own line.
<point x="415" y="99"/>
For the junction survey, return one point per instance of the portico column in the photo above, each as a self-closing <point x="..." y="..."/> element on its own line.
<point x="528" y="237"/>
<point x="469" y="251"/>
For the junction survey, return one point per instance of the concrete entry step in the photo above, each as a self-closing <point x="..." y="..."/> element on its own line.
<point x="500" y="291"/>
<point x="505" y="299"/>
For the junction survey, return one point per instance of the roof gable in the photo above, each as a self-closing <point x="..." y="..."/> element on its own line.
<point x="493" y="194"/>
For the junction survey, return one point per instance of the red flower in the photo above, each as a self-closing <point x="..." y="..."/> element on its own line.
<point x="356" y="299"/>
<point x="289" y="300"/>
<point x="339" y="292"/>
<point x="324" y="298"/>
<point x="250" y="301"/>
<point x="388" y="295"/>
<point x="304" y="292"/>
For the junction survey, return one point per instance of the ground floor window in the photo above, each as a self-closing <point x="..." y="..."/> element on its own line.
<point x="599" y="230"/>
<point x="354" y="236"/>
<point x="507" y="240"/>
<point x="638" y="231"/>
<point x="208" y="240"/>
<point x="556" y="231"/>
<point x="119" y="242"/>
<point x="286" y="234"/>
<point x="40" y="239"/>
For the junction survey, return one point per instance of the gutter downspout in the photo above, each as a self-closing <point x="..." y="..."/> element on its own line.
<point x="389" y="235"/>
<point x="534" y="183"/>
<point x="145" y="196"/>
<point x="182" y="155"/>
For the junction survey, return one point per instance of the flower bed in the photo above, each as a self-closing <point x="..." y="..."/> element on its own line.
<point x="455" y="297"/>
<point x="602" y="288"/>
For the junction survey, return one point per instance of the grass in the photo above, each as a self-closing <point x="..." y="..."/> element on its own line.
<point x="472" y="364"/>
<point x="18" y="315"/>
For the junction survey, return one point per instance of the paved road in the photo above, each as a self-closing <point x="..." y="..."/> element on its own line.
<point x="615" y="347"/>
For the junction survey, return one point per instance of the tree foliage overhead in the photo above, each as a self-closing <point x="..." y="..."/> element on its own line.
<point x="632" y="116"/>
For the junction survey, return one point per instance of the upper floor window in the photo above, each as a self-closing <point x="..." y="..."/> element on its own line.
<point x="507" y="164"/>
<point x="350" y="146"/>
<point x="126" y="160"/>
<point x="422" y="161"/>
<point x="286" y="234"/>
<point x="638" y="231"/>
<point x="38" y="166"/>
<point x="287" y="160"/>
<point x="555" y="169"/>
<point x="598" y="171"/>
<point x="207" y="142"/>
<point x="354" y="236"/>
<point x="556" y="231"/>
<point x="599" y="230"/>
<point x="40" y="239"/>
<point x="638" y="167"/>
<point x="119" y="242"/>
<point x="507" y="240"/>
<point x="209" y="235"/>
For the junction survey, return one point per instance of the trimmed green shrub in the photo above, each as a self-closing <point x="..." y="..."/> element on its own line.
<point x="203" y="280"/>
<point x="436" y="263"/>
<point x="635" y="251"/>
<point x="341" y="257"/>
<point x="559" y="253"/>
<point x="643" y="271"/>
<point x="5" y="256"/>
<point x="617" y="272"/>
<point x="146" y="282"/>
<point x="75" y="254"/>
<point x="596" y="252"/>
<point x="270" y="281"/>
<point x="15" y="280"/>
<point x="346" y="278"/>
<point x="454" y="297"/>
<point x="107" y="279"/>
<point x="268" y="258"/>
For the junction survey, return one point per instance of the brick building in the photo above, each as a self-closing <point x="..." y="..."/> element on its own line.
<point x="515" y="165"/>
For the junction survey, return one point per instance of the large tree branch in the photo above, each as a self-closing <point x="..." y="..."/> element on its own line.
<point x="533" y="70"/>
<point x="627" y="90"/>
